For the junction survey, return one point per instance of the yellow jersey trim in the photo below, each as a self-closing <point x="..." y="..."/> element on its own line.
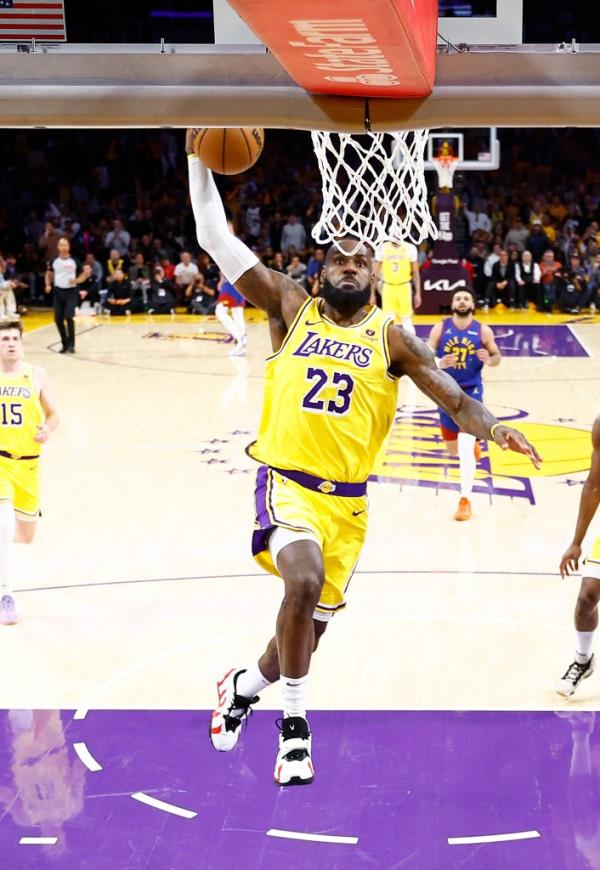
<point x="291" y="329"/>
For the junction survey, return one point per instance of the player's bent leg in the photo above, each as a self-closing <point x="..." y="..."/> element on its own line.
<point x="586" y="622"/>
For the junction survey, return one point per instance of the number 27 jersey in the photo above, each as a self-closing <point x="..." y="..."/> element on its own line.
<point x="329" y="398"/>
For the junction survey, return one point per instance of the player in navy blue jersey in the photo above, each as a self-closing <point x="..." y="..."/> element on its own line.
<point x="463" y="346"/>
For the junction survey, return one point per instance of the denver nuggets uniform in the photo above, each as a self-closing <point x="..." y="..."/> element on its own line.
<point x="464" y="344"/>
<point x="329" y="403"/>
<point x="396" y="275"/>
<point x="20" y="414"/>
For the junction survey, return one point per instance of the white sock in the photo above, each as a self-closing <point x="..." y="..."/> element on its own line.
<point x="240" y="321"/>
<point x="295" y="693"/>
<point x="408" y="325"/>
<point x="251" y="682"/>
<point x="7" y="538"/>
<point x="225" y="318"/>
<point x="583" y="652"/>
<point x="466" y="459"/>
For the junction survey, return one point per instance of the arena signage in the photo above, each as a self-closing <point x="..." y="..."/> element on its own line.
<point x="387" y="50"/>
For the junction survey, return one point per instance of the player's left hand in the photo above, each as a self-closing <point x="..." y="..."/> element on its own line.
<point x="511" y="439"/>
<point x="483" y="355"/>
<point x="42" y="434"/>
<point x="417" y="301"/>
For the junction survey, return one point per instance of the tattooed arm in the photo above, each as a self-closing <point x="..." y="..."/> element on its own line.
<point x="410" y="356"/>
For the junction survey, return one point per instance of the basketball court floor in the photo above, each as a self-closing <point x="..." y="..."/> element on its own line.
<point x="436" y="728"/>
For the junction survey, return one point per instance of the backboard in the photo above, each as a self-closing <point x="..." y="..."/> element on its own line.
<point x="477" y="148"/>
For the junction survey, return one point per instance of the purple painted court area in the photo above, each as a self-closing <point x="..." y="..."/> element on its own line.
<point x="528" y="340"/>
<point x="402" y="782"/>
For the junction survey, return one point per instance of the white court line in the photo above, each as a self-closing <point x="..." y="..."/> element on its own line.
<point x="86" y="757"/>
<point x="316" y="838"/>
<point x="493" y="838"/>
<point x="38" y="841"/>
<point x="162" y="805"/>
<point x="579" y="339"/>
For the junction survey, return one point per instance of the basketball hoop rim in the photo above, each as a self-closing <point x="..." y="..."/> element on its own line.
<point x="446" y="161"/>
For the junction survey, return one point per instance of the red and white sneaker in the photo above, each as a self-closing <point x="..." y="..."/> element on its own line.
<point x="294" y="765"/>
<point x="226" y="720"/>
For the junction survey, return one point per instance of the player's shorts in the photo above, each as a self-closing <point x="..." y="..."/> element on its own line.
<point x="20" y="484"/>
<point x="397" y="299"/>
<point x="591" y="563"/>
<point x="449" y="428"/>
<point x="337" y="522"/>
<point x="230" y="297"/>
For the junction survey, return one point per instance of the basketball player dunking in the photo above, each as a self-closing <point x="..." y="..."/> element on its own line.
<point x="27" y="417"/>
<point x="330" y="399"/>
<point x="586" y="609"/>
<point x="463" y="346"/>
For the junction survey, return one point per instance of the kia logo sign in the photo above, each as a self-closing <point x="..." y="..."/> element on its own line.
<point x="443" y="285"/>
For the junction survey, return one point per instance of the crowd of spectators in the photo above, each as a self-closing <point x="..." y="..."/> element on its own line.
<point x="529" y="233"/>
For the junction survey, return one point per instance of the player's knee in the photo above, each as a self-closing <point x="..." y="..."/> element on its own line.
<point x="25" y="533"/>
<point x="303" y="591"/>
<point x="589" y="595"/>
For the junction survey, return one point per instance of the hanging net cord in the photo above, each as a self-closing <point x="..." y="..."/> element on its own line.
<point x="373" y="187"/>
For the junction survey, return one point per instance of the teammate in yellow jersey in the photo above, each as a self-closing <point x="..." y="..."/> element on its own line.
<point x="586" y="609"/>
<point x="329" y="403"/>
<point x="27" y="417"/>
<point x="397" y="269"/>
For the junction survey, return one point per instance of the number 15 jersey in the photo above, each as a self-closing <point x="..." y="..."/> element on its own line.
<point x="329" y="398"/>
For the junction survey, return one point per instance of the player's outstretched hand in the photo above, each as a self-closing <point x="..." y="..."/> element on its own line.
<point x="570" y="560"/>
<point x="511" y="439"/>
<point x="190" y="135"/>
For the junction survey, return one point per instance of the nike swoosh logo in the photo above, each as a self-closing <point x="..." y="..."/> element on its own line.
<point x="312" y="323"/>
<point x="356" y="513"/>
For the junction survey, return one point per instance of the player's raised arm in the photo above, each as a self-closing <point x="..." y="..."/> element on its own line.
<point x="410" y="356"/>
<point x="588" y="505"/>
<point x="276" y="294"/>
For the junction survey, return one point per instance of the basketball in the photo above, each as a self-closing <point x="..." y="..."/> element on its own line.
<point x="229" y="150"/>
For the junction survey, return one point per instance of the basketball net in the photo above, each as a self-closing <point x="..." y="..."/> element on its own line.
<point x="445" y="165"/>
<point x="373" y="187"/>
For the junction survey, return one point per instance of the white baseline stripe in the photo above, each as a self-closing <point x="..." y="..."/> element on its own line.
<point x="38" y="841"/>
<point x="317" y="838"/>
<point x="493" y="838"/>
<point x="162" y="805"/>
<point x="86" y="757"/>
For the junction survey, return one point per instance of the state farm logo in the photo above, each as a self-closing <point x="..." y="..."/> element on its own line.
<point x="345" y="46"/>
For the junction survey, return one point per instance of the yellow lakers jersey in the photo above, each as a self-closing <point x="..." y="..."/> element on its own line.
<point x="20" y="412"/>
<point x="396" y="265"/>
<point x="329" y="399"/>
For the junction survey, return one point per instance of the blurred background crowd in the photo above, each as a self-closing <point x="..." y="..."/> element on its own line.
<point x="529" y="232"/>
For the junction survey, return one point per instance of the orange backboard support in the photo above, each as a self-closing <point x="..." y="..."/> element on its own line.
<point x="379" y="48"/>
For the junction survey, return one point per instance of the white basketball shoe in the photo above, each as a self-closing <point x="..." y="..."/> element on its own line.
<point x="227" y="718"/>
<point x="574" y="675"/>
<point x="294" y="765"/>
